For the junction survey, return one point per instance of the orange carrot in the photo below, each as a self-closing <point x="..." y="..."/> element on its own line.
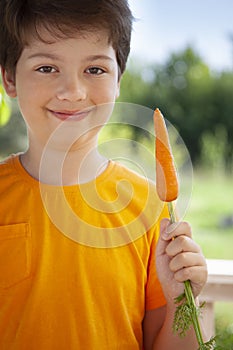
<point x="167" y="187"/>
<point x="166" y="177"/>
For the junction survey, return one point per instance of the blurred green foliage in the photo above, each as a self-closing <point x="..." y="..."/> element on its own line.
<point x="196" y="100"/>
<point x="13" y="135"/>
<point x="5" y="110"/>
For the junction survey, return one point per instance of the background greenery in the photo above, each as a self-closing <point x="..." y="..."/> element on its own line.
<point x="199" y="103"/>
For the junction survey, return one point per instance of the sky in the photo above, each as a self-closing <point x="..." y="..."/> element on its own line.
<point x="167" y="26"/>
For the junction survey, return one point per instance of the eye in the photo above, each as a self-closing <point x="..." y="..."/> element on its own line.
<point x="46" y="69"/>
<point x="95" y="70"/>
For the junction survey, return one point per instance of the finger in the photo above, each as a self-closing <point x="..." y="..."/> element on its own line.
<point x="196" y="274"/>
<point x="162" y="244"/>
<point x="177" y="229"/>
<point x="182" y="244"/>
<point x="185" y="260"/>
<point x="164" y="224"/>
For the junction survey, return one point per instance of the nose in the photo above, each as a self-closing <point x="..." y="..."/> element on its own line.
<point x="71" y="89"/>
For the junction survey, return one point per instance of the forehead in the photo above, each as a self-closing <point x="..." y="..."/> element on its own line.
<point x="80" y="45"/>
<point x="42" y="37"/>
<point x="52" y="33"/>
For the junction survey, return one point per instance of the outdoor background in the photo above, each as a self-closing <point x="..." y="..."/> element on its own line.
<point x="182" y="62"/>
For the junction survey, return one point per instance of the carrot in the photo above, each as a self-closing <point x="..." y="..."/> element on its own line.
<point x="166" y="177"/>
<point x="167" y="187"/>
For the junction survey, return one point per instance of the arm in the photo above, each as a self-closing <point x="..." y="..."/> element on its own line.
<point x="158" y="335"/>
<point x="177" y="260"/>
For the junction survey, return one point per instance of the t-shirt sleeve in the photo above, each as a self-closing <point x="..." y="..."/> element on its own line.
<point x="154" y="293"/>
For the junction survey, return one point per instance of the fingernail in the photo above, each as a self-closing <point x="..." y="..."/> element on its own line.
<point x="163" y="225"/>
<point x="168" y="233"/>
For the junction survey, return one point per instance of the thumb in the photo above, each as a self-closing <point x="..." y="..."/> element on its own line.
<point x="162" y="243"/>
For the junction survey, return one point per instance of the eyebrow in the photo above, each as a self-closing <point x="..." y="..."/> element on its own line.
<point x="43" y="55"/>
<point x="55" y="57"/>
<point x="99" y="57"/>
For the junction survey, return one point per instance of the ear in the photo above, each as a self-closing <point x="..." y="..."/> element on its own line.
<point x="8" y="81"/>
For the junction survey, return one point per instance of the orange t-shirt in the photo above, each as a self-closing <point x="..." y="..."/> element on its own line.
<point x="77" y="263"/>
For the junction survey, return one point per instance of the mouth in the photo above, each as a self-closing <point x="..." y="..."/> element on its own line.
<point x="66" y="115"/>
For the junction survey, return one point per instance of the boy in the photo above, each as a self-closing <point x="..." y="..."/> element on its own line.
<point x="78" y="231"/>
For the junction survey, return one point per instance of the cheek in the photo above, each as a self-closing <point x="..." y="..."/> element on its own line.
<point x="26" y="102"/>
<point x="30" y="103"/>
<point x="106" y="94"/>
<point x="31" y="94"/>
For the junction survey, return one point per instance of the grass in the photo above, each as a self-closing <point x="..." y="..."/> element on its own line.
<point x="211" y="202"/>
<point x="224" y="325"/>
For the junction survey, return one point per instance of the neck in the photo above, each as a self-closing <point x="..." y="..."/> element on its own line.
<point x="56" y="167"/>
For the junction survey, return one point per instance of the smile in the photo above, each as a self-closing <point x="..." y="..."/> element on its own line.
<point x="65" y="115"/>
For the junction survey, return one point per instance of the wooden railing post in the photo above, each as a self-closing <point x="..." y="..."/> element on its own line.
<point x="219" y="287"/>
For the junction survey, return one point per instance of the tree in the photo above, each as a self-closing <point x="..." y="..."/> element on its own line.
<point x="4" y="107"/>
<point x="194" y="99"/>
<point x="12" y="127"/>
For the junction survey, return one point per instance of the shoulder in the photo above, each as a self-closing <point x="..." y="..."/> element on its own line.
<point x="6" y="166"/>
<point x="8" y="172"/>
<point x="121" y="172"/>
<point x="139" y="192"/>
<point x="138" y="186"/>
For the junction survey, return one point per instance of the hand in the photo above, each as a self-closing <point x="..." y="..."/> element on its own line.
<point x="179" y="258"/>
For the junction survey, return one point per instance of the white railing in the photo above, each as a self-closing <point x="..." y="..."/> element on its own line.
<point x="219" y="287"/>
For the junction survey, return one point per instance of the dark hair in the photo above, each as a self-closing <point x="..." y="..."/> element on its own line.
<point x="61" y="18"/>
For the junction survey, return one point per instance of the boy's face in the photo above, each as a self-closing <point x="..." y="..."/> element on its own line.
<point x="62" y="82"/>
